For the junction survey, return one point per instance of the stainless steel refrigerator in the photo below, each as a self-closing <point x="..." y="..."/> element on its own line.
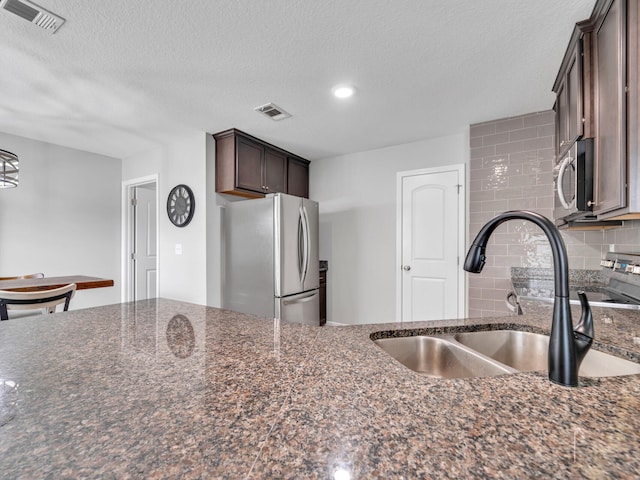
<point x="271" y="258"/>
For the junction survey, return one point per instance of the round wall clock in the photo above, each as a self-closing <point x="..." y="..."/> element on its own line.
<point x="180" y="205"/>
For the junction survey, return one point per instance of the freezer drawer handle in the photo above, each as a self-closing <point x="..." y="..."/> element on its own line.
<point x="300" y="300"/>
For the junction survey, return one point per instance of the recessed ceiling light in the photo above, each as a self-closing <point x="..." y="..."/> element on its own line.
<point x="342" y="91"/>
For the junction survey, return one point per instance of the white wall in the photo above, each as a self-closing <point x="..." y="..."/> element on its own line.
<point x="357" y="196"/>
<point x="215" y="203"/>
<point x="63" y="218"/>
<point x="182" y="160"/>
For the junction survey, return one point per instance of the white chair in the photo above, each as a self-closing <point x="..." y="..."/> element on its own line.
<point x="47" y="300"/>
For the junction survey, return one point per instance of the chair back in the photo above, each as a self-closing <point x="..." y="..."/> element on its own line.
<point x="31" y="275"/>
<point x="46" y="299"/>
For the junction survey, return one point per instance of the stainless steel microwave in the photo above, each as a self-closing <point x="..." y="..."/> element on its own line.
<point x="573" y="183"/>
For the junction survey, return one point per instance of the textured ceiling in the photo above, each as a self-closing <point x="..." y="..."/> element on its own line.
<point x="122" y="77"/>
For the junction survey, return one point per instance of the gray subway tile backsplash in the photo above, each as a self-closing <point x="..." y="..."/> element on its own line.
<point x="523" y="134"/>
<point x="511" y="169"/>
<point x="540" y="118"/>
<point x="508" y="124"/>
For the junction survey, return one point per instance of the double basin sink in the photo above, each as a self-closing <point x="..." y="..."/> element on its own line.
<point x="490" y="353"/>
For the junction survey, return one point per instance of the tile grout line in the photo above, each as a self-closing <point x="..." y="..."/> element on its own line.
<point x="284" y="404"/>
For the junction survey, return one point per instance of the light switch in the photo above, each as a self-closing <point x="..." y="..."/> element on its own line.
<point x="178" y="249"/>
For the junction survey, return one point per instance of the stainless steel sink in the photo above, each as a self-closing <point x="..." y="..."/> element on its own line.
<point x="526" y="352"/>
<point x="439" y="357"/>
<point x="523" y="351"/>
<point x="490" y="353"/>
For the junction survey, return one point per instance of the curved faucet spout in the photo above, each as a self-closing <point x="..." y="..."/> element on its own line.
<point x="566" y="347"/>
<point x="476" y="256"/>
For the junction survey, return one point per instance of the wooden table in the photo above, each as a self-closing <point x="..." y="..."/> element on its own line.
<point x="35" y="284"/>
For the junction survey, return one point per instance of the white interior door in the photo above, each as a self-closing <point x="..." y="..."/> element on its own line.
<point x="431" y="238"/>
<point x="145" y="241"/>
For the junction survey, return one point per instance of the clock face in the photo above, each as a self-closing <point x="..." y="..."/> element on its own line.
<point x="180" y="205"/>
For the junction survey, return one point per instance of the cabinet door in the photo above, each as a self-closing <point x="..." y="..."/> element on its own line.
<point x="297" y="178"/>
<point x="569" y="99"/>
<point x="323" y="297"/>
<point x="610" y="109"/>
<point x="574" y="95"/>
<point x="275" y="171"/>
<point x="249" y="159"/>
<point x="561" y="119"/>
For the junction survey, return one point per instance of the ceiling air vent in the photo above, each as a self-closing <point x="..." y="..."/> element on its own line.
<point x="272" y="111"/>
<point x="33" y="13"/>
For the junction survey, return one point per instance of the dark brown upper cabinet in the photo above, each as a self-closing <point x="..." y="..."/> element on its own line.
<point x="298" y="177"/>
<point x="573" y="92"/>
<point x="275" y="171"/>
<point x="248" y="167"/>
<point x="613" y="27"/>
<point x="610" y="106"/>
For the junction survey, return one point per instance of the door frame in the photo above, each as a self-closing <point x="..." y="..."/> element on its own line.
<point x="462" y="232"/>
<point x="128" y="284"/>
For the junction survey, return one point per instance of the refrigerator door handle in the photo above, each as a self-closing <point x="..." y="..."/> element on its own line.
<point x="305" y="244"/>
<point x="300" y="245"/>
<point x="304" y="299"/>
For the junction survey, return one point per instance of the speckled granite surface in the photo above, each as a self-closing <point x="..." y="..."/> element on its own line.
<point x="576" y="276"/>
<point x="132" y="391"/>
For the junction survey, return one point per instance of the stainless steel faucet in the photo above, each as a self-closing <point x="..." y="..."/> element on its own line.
<point x="567" y="346"/>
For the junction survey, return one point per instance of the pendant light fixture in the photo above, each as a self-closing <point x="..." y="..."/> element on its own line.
<point x="8" y="169"/>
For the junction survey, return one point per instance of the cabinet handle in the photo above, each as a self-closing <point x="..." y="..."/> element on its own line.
<point x="568" y="160"/>
<point x="591" y="203"/>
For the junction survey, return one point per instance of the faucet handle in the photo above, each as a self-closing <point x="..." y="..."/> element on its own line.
<point x="585" y="325"/>
<point x="583" y="333"/>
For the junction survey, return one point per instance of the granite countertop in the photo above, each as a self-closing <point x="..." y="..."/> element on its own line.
<point x="164" y="389"/>
<point x="530" y="283"/>
<point x="576" y="276"/>
<point x="538" y="284"/>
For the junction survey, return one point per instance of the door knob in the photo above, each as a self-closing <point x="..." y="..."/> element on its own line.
<point x="407" y="267"/>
